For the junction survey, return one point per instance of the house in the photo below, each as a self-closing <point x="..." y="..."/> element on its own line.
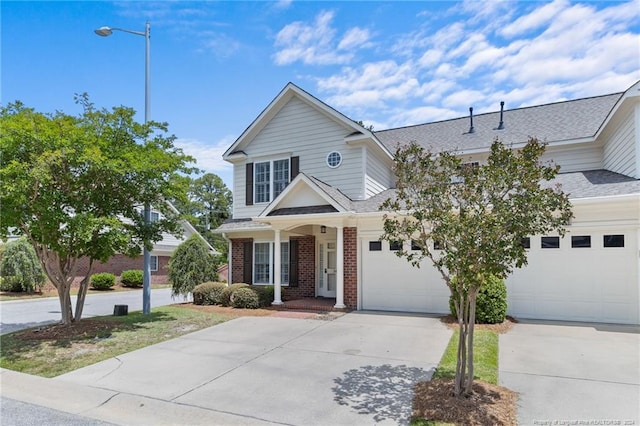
<point x="308" y="184"/>
<point x="160" y="255"/>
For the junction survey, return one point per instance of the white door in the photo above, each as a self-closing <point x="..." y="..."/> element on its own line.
<point x="327" y="268"/>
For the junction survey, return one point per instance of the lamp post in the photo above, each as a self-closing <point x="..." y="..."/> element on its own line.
<point x="146" y="277"/>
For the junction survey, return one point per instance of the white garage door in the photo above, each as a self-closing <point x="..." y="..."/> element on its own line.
<point x="573" y="283"/>
<point x="593" y="284"/>
<point x="390" y="283"/>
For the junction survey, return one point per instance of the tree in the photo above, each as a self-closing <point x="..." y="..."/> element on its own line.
<point x="20" y="268"/>
<point x="74" y="187"/>
<point x="477" y="215"/>
<point x="190" y="265"/>
<point x="207" y="207"/>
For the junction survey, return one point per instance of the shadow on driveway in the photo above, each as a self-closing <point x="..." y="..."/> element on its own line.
<point x="384" y="392"/>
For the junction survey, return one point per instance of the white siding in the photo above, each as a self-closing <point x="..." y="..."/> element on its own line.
<point x="575" y="159"/>
<point x="300" y="130"/>
<point x="378" y="175"/>
<point x="620" y="146"/>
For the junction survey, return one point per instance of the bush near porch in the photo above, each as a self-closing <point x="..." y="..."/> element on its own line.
<point x="216" y="293"/>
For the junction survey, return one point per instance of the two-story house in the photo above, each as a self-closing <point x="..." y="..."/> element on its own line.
<point x="308" y="184"/>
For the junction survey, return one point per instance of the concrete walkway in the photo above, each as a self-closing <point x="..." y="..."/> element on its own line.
<point x="581" y="373"/>
<point x="357" y="369"/>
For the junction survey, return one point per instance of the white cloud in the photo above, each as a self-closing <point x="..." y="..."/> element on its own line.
<point x="315" y="44"/>
<point x="536" y="19"/>
<point x="208" y="156"/>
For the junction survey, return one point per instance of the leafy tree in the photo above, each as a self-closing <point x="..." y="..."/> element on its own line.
<point x="74" y="187"/>
<point x="207" y="207"/>
<point x="478" y="216"/>
<point x="20" y="268"/>
<point x="190" y="265"/>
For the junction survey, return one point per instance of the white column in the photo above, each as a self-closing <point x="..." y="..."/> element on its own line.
<point x="339" y="268"/>
<point x="277" y="292"/>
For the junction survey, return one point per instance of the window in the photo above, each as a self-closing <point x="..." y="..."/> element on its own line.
<point x="580" y="241"/>
<point x="267" y="185"/>
<point x="613" y="240"/>
<point x="415" y="245"/>
<point x="395" y="245"/>
<point x="526" y="242"/>
<point x="375" y="245"/>
<point x="263" y="258"/>
<point x="550" y="242"/>
<point x="155" y="216"/>
<point x="334" y="159"/>
<point x="154" y="263"/>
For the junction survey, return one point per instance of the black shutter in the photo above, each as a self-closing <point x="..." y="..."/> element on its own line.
<point x="295" y="167"/>
<point x="247" y="270"/>
<point x="293" y="263"/>
<point x="248" y="191"/>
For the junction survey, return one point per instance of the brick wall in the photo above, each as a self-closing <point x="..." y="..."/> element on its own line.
<point x="306" y="269"/>
<point x="350" y="267"/>
<point x="119" y="263"/>
<point x="237" y="259"/>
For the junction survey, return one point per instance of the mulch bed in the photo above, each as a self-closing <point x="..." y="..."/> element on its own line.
<point x="87" y="328"/>
<point x="452" y="322"/>
<point x="488" y="405"/>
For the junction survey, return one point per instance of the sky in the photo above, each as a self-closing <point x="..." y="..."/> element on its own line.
<point x="216" y="65"/>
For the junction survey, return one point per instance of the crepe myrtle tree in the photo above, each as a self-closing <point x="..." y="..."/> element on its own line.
<point x="74" y="186"/>
<point x="477" y="215"/>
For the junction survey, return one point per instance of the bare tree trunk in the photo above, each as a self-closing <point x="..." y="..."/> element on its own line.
<point x="82" y="292"/>
<point x="472" y="321"/>
<point x="462" y="353"/>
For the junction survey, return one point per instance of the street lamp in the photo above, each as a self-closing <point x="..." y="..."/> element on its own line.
<point x="146" y="276"/>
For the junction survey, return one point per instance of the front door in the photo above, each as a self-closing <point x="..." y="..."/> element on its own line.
<point x="327" y="268"/>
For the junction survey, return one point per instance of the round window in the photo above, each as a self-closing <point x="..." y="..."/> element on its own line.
<point x="334" y="159"/>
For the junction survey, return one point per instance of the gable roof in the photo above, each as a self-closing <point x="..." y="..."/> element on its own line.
<point x="286" y="94"/>
<point x="307" y="195"/>
<point x="555" y="122"/>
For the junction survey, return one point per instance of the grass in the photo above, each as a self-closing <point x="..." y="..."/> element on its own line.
<point x="485" y="364"/>
<point x="50" y="291"/>
<point x="485" y="357"/>
<point x="53" y="350"/>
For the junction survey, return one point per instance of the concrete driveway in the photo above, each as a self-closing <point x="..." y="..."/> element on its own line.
<point x="356" y="369"/>
<point x="583" y="373"/>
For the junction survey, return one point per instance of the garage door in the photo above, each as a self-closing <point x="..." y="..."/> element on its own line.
<point x="592" y="279"/>
<point x="589" y="280"/>
<point x="390" y="283"/>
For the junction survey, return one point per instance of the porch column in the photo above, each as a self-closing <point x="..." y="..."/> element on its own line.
<point x="339" y="268"/>
<point x="277" y="290"/>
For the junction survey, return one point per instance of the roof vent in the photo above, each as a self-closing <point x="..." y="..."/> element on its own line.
<point x="471" y="129"/>
<point x="501" y="125"/>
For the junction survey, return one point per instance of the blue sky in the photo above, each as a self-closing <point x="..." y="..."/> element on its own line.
<point x="216" y="65"/>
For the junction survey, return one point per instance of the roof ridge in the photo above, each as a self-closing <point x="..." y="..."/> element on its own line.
<point x="619" y="94"/>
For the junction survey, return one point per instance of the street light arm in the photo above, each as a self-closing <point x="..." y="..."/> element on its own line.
<point x="140" y="33"/>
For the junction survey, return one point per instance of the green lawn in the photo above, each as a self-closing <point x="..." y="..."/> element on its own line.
<point x="485" y="357"/>
<point x="50" y="291"/>
<point x="56" y="350"/>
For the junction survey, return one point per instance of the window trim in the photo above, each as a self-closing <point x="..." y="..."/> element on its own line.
<point x="396" y="245"/>
<point x="555" y="237"/>
<point x="377" y="245"/>
<point x="339" y="159"/>
<point x="271" y="182"/>
<point x="575" y="239"/>
<point x="271" y="262"/>
<point x="156" y="262"/>
<point x="604" y="241"/>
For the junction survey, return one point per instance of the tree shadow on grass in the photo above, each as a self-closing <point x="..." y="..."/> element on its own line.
<point x="385" y="391"/>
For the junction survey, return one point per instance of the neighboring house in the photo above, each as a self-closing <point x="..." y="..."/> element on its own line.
<point x="160" y="255"/>
<point x="308" y="184"/>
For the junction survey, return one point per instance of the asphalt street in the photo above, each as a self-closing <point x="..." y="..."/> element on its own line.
<point x="18" y="413"/>
<point x="17" y="315"/>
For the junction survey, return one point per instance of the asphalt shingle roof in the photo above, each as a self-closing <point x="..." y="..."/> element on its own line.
<point x="550" y="123"/>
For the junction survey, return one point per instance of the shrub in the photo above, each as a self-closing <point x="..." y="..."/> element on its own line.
<point x="131" y="278"/>
<point x="491" y="303"/>
<point x="245" y="297"/>
<point x="226" y="293"/>
<point x="20" y="267"/>
<point x="266" y="292"/>
<point x="209" y="293"/>
<point x="103" y="281"/>
<point x="190" y="265"/>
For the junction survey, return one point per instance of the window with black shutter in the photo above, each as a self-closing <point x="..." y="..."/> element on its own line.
<point x="248" y="192"/>
<point x="293" y="263"/>
<point x="247" y="270"/>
